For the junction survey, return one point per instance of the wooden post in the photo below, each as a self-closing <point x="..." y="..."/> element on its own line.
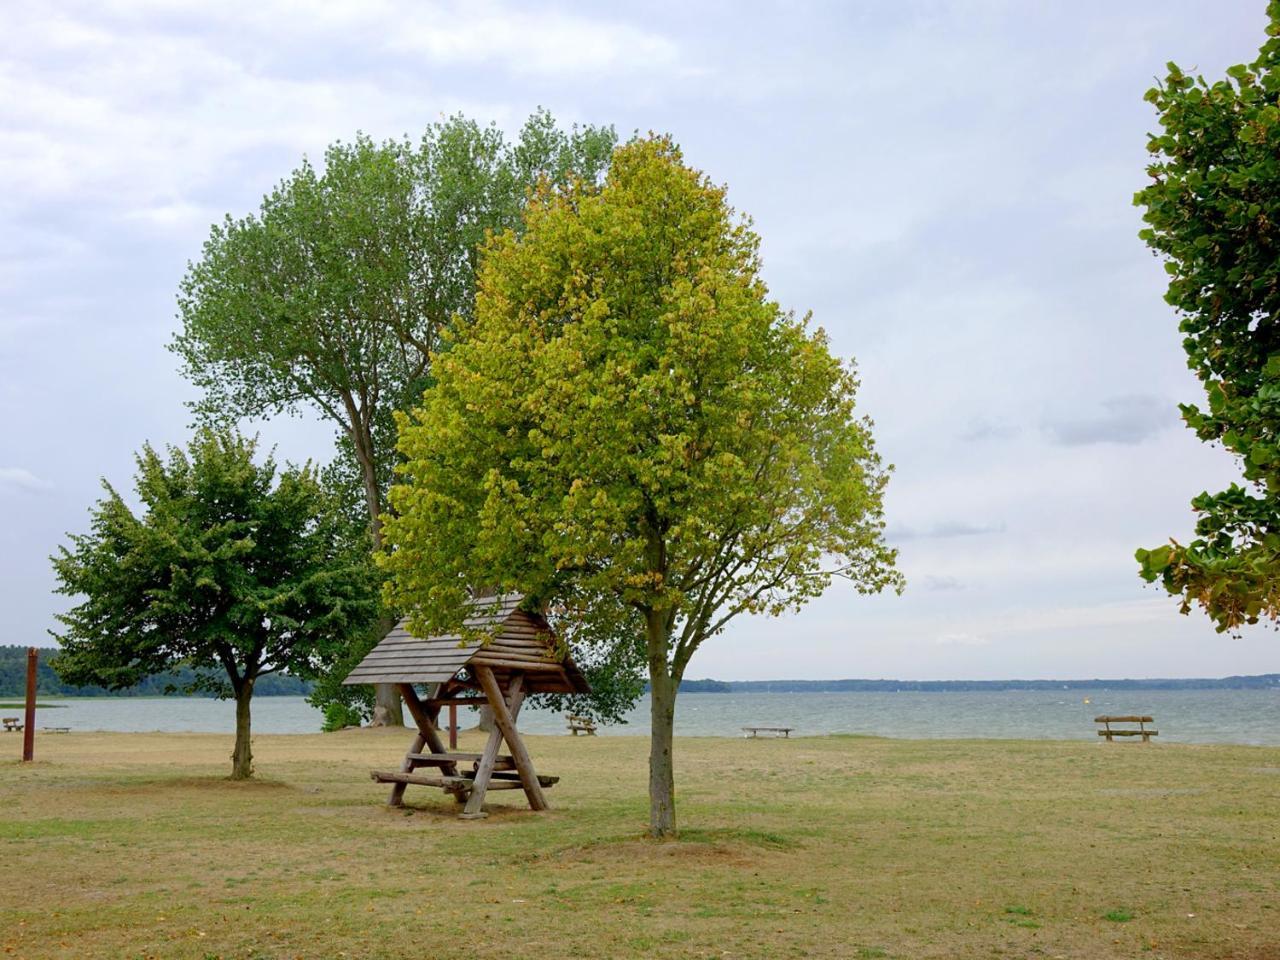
<point x="484" y="769"/>
<point x="425" y="716"/>
<point x="29" y="724"/>
<point x="397" y="789"/>
<point x="506" y="724"/>
<point x="453" y="726"/>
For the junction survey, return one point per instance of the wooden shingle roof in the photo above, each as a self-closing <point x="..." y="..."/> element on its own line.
<point x="516" y="640"/>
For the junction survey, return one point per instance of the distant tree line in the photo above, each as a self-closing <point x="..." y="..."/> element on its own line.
<point x="13" y="680"/>
<point x="1261" y="681"/>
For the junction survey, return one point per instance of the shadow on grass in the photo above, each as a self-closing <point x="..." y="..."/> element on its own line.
<point x="205" y="784"/>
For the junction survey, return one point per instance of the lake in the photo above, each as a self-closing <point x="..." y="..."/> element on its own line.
<point x="1186" y="716"/>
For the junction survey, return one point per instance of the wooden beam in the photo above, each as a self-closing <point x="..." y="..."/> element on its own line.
<point x="397" y="792"/>
<point x="425" y="715"/>
<point x="484" y="769"/>
<point x="542" y="666"/>
<point x="452" y="784"/>
<point x="507" y="725"/>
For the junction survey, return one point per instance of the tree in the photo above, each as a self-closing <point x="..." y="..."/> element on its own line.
<point x="630" y="425"/>
<point x="332" y="296"/>
<point x="1213" y="214"/>
<point x="228" y="569"/>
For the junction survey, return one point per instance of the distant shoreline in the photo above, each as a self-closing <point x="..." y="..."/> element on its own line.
<point x="1264" y="681"/>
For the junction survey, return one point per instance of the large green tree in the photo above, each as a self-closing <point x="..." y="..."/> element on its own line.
<point x="235" y="569"/>
<point x="629" y="421"/>
<point x="1213" y="213"/>
<point x="333" y="295"/>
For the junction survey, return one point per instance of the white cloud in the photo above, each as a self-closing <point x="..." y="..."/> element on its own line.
<point x="961" y="640"/>
<point x="526" y="41"/>
<point x="19" y="480"/>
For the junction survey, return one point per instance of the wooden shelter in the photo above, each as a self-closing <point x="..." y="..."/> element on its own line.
<point x="503" y="654"/>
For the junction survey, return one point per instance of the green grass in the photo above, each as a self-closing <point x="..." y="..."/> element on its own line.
<point x="135" y="846"/>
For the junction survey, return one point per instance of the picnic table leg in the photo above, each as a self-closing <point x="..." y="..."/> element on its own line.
<point x="507" y="725"/>
<point x="397" y="789"/>
<point x="484" y="769"/>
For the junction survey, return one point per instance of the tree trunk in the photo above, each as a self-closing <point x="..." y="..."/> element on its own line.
<point x="242" y="758"/>
<point x="486" y="722"/>
<point x="662" y="781"/>
<point x="387" y="711"/>
<point x="662" y="715"/>
<point x="387" y="706"/>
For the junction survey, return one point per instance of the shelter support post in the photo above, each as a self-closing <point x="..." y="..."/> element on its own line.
<point x="397" y="789"/>
<point x="424" y="716"/>
<point x="484" y="769"/>
<point x="507" y="726"/>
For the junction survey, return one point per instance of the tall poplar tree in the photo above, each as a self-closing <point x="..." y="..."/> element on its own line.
<point x="333" y="295"/>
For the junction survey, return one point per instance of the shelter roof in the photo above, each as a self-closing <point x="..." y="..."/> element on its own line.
<point x="497" y="633"/>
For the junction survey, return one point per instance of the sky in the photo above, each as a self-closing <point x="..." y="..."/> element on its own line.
<point x="946" y="185"/>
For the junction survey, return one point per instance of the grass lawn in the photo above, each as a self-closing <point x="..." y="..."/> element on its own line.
<point x="132" y="845"/>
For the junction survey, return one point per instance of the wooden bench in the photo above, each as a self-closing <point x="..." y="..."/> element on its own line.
<point x="752" y="732"/>
<point x="581" y="725"/>
<point x="11" y="724"/>
<point x="1142" y="731"/>
<point x="459" y="786"/>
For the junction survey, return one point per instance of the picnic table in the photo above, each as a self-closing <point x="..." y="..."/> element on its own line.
<point x="752" y="733"/>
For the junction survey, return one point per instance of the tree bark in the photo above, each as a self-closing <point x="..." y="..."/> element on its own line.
<point x="387" y="705"/>
<point x="486" y="722"/>
<point x="388" y="710"/>
<point x="662" y="714"/>
<point x="242" y="758"/>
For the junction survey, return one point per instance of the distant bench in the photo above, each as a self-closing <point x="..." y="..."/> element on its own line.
<point x="1142" y="730"/>
<point x="752" y="732"/>
<point x="11" y="724"/>
<point x="581" y="725"/>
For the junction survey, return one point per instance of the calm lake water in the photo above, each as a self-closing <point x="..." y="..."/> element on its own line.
<point x="1188" y="716"/>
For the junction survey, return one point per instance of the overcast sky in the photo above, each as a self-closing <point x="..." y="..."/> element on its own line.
<point x="946" y="185"/>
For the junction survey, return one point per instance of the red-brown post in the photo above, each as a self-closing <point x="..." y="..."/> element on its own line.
<point x="453" y="726"/>
<point x="29" y="723"/>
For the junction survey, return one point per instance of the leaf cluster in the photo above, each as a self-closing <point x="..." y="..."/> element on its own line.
<point x="1212" y="211"/>
<point x="333" y="294"/>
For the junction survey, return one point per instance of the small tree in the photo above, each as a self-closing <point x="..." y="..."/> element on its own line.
<point x="332" y="296"/>
<point x="631" y="421"/>
<point x="228" y="569"/>
<point x="1213" y="213"/>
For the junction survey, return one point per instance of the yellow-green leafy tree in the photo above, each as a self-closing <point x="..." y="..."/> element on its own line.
<point x="630" y="420"/>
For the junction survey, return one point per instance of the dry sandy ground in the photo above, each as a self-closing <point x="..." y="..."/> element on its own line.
<point x="123" y="845"/>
